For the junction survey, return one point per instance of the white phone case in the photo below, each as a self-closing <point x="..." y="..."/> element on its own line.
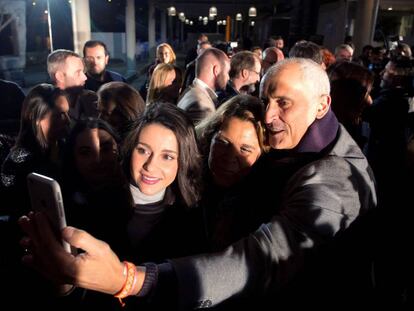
<point x="46" y="197"/>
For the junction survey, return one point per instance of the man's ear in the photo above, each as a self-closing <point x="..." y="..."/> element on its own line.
<point x="106" y="59"/>
<point x="244" y="73"/>
<point x="216" y="70"/>
<point x="59" y="76"/>
<point x="323" y="106"/>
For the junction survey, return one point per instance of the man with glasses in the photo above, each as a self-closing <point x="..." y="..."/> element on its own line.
<point x="245" y="68"/>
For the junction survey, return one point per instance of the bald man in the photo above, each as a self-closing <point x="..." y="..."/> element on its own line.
<point x="212" y="74"/>
<point x="271" y="56"/>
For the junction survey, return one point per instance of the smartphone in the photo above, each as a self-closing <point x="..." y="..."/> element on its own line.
<point x="46" y="197"/>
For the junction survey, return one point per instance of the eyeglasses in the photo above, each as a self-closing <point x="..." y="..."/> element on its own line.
<point x="258" y="73"/>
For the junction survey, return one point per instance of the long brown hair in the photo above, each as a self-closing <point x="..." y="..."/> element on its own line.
<point x="188" y="181"/>
<point x="37" y="104"/>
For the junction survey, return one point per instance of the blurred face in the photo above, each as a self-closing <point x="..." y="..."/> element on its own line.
<point x="202" y="39"/>
<point x="112" y="115"/>
<point x="55" y="124"/>
<point x="203" y="47"/>
<point x="344" y="54"/>
<point x="291" y="107"/>
<point x="164" y="55"/>
<point x="258" y="52"/>
<point x="73" y="73"/>
<point x="254" y="74"/>
<point x="223" y="76"/>
<point x="279" y="43"/>
<point x="234" y="149"/>
<point x="96" y="156"/>
<point x="270" y="58"/>
<point x="154" y="161"/>
<point x="387" y="75"/>
<point x="96" y="60"/>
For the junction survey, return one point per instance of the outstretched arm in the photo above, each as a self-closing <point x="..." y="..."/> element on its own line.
<point x="97" y="268"/>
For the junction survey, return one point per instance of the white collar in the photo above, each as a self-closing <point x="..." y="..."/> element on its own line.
<point x="141" y="198"/>
<point x="204" y="85"/>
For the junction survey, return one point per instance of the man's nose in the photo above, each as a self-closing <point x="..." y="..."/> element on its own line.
<point x="272" y="113"/>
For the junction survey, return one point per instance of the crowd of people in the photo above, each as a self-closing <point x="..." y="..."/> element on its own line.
<point x="258" y="179"/>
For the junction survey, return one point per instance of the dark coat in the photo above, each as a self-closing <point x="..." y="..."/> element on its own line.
<point x="109" y="76"/>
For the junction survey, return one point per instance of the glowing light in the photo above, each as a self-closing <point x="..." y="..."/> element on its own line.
<point x="213" y="11"/>
<point x="172" y="11"/>
<point x="252" y="12"/>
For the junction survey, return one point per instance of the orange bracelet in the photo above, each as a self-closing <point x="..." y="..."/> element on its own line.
<point x="131" y="276"/>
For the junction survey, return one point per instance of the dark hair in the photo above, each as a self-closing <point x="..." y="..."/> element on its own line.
<point x="80" y="126"/>
<point x="350" y="70"/>
<point x="349" y="100"/>
<point x="128" y="102"/>
<point x="188" y="181"/>
<point x="90" y="123"/>
<point x="307" y="49"/>
<point x="243" y="107"/>
<point x="242" y="60"/>
<point x="351" y="84"/>
<point x="94" y="43"/>
<point x="39" y="101"/>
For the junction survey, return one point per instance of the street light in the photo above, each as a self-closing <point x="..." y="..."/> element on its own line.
<point x="172" y="11"/>
<point x="212" y="11"/>
<point x="252" y="12"/>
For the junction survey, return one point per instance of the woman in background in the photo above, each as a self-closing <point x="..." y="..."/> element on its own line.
<point x="165" y="84"/>
<point x="351" y="85"/>
<point x="120" y="105"/>
<point x="44" y="122"/>
<point x="164" y="55"/>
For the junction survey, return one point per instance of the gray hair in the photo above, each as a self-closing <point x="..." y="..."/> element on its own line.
<point x="312" y="74"/>
<point x="344" y="47"/>
<point x="56" y="59"/>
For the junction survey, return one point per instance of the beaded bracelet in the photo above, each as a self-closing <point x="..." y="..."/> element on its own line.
<point x="131" y="273"/>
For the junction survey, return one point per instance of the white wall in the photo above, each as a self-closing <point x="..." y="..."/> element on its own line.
<point x="115" y="42"/>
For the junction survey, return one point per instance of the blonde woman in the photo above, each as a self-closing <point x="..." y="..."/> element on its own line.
<point x="164" y="55"/>
<point x="164" y="84"/>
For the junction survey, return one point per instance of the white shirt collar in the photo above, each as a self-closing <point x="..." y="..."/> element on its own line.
<point x="203" y="85"/>
<point x="141" y="198"/>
